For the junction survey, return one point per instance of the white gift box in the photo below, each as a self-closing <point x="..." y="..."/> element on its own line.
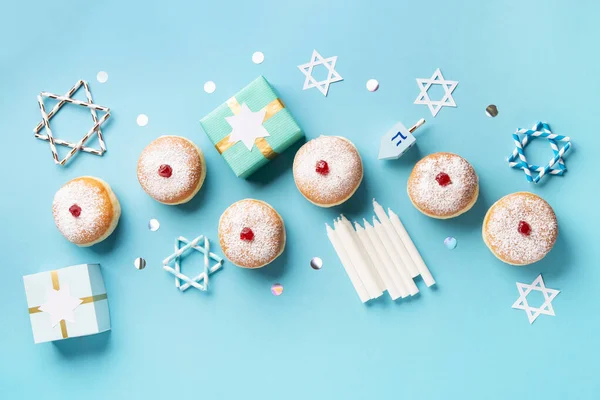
<point x="67" y="303"/>
<point x="396" y="142"/>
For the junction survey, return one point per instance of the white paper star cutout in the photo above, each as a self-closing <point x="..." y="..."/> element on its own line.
<point x="60" y="305"/>
<point x="533" y="312"/>
<point x="332" y="75"/>
<point x="436" y="79"/>
<point x="247" y="126"/>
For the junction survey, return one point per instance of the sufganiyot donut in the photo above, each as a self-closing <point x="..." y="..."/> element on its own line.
<point x="443" y="185"/>
<point x="328" y="170"/>
<point x="171" y="169"/>
<point x="86" y="210"/>
<point x="251" y="233"/>
<point x="520" y="228"/>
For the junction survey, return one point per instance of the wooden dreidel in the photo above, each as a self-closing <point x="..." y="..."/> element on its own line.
<point x="397" y="141"/>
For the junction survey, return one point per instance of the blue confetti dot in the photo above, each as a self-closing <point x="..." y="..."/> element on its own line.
<point x="450" y="243"/>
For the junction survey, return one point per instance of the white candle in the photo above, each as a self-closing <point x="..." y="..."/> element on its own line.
<point x="365" y="255"/>
<point x="412" y="249"/>
<point x="364" y="272"/>
<point x="393" y="253"/>
<point x="377" y="263"/>
<point x="387" y="225"/>
<point x="347" y="264"/>
<point x="386" y="260"/>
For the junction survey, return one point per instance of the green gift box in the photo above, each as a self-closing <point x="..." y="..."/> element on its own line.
<point x="251" y="128"/>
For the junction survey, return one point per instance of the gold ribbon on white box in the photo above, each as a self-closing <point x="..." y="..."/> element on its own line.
<point x="83" y="300"/>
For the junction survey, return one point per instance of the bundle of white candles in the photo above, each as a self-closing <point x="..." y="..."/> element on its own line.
<point x="379" y="257"/>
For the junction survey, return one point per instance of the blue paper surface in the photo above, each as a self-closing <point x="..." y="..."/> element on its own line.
<point x="536" y="60"/>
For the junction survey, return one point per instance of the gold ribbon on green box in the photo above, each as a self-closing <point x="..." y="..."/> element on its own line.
<point x="261" y="143"/>
<point x="283" y="130"/>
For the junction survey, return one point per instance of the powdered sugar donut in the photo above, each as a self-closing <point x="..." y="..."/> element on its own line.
<point x="520" y="228"/>
<point x="86" y="211"/>
<point x="443" y="185"/>
<point x="171" y="169"/>
<point x="328" y="170"/>
<point x="251" y="233"/>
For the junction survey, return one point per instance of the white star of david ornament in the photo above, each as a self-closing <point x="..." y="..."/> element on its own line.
<point x="332" y="75"/>
<point x="436" y="105"/>
<point x="534" y="312"/>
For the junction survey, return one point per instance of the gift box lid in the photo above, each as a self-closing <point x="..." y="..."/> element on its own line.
<point x="67" y="302"/>
<point x="280" y="128"/>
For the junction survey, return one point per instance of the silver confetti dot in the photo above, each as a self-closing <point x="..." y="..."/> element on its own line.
<point x="142" y="120"/>
<point x="139" y="263"/>
<point x="102" y="76"/>
<point x="316" y="263"/>
<point x="450" y="243"/>
<point x="491" y="110"/>
<point x="372" y="85"/>
<point x="153" y="224"/>
<point x="277" y="289"/>
<point x="258" y="57"/>
<point x="210" y="87"/>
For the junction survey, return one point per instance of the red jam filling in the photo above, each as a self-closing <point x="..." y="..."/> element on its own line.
<point x="443" y="179"/>
<point x="322" y="167"/>
<point x="524" y="228"/>
<point x="75" y="210"/>
<point x="247" y="235"/>
<point x="165" y="171"/>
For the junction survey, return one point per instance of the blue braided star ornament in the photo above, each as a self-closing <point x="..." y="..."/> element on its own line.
<point x="556" y="165"/>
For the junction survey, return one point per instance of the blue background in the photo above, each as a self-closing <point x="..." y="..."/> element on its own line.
<point x="534" y="60"/>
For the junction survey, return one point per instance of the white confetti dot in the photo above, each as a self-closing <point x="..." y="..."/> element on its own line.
<point x="316" y="263"/>
<point x="372" y="85"/>
<point x="258" y="57"/>
<point x="210" y="87"/>
<point x="153" y="224"/>
<point x="102" y="76"/>
<point x="142" y="120"/>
